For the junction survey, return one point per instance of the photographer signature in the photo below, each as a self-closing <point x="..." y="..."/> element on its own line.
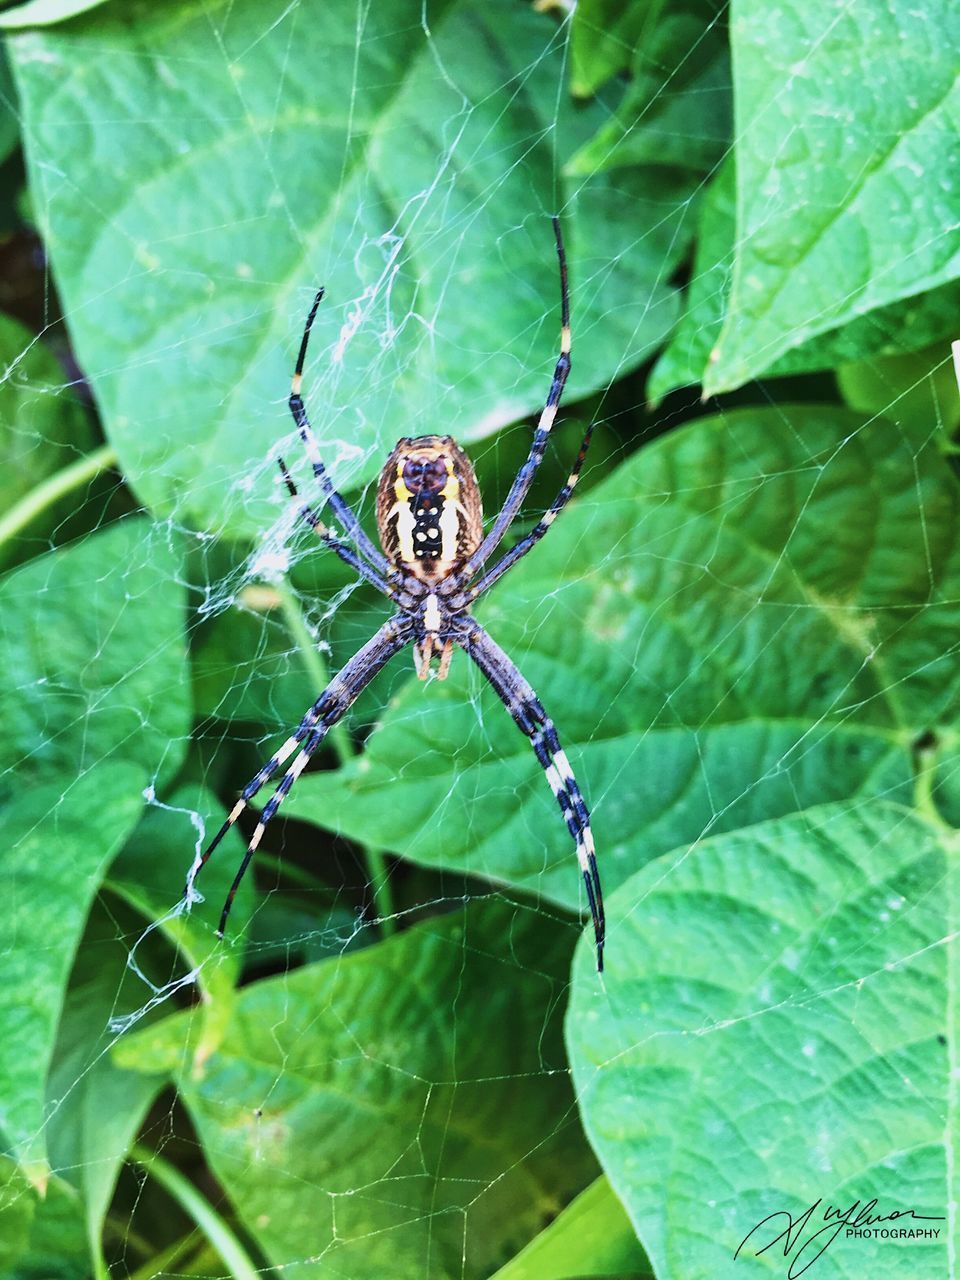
<point x="807" y="1248"/>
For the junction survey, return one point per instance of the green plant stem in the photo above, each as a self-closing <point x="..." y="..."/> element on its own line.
<point x="342" y="744"/>
<point x="201" y="1211"/>
<point x="55" y="487"/>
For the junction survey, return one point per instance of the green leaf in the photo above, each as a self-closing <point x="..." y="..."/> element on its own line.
<point x="92" y="658"/>
<point x="42" y="1236"/>
<point x="42" y="13"/>
<point x="846" y="160"/>
<point x="460" y="1141"/>
<point x="710" y="655"/>
<point x="919" y="388"/>
<point x="246" y="668"/>
<point x="441" y="302"/>
<point x="592" y="1236"/>
<point x="17" y="1206"/>
<point x="94" y="707"/>
<point x="59" y="838"/>
<point x="905" y="326"/>
<point x="777" y="1011"/>
<point x="684" y="362"/>
<point x="9" y="108"/>
<point x="96" y="1108"/>
<point x="56" y="1248"/>
<point x="150" y="874"/>
<point x="604" y="35"/>
<point x="900" y="328"/>
<point x="42" y="428"/>
<point x="677" y="108"/>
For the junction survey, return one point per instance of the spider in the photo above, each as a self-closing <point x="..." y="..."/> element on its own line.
<point x="432" y="567"/>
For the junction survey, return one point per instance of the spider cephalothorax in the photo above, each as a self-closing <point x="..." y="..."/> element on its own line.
<point x="432" y="567"/>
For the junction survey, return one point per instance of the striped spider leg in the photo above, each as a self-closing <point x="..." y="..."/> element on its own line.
<point x="531" y="719"/>
<point x="336" y="699"/>
<point x="432" y="567"/>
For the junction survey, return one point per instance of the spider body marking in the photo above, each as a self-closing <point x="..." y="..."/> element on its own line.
<point x="432" y="567"/>
<point x="430" y="520"/>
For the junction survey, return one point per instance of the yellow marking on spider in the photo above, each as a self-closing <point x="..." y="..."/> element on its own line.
<point x="405" y="528"/>
<point x="400" y="490"/>
<point x="296" y="383"/>
<point x="450" y="531"/>
<point x="565" y="339"/>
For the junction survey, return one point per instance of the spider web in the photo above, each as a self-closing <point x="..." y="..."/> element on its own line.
<point x="744" y="629"/>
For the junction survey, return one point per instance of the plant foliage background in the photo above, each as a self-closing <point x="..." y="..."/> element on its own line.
<point x="401" y="1062"/>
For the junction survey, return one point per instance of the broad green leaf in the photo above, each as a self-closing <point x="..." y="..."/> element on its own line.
<point x="689" y="127"/>
<point x="17" y="1206"/>
<point x="42" y="1234"/>
<point x="604" y="35"/>
<point x="846" y="165"/>
<point x="778" y="1013"/>
<point x="304" y="925"/>
<point x="905" y="326"/>
<point x="58" y="838"/>
<point x="92" y="659"/>
<point x="900" y="328"/>
<point x="96" y="1107"/>
<point x="413" y="178"/>
<point x="920" y="387"/>
<point x="402" y="1111"/>
<point x="246" y="667"/>
<point x="42" y="428"/>
<point x="41" y="13"/>
<point x="677" y="108"/>
<point x="9" y="110"/>
<point x="56" y="1248"/>
<point x="732" y="627"/>
<point x="684" y="362"/>
<point x="94" y="706"/>
<point x="150" y="874"/>
<point x="592" y="1236"/>
<point x="103" y="1106"/>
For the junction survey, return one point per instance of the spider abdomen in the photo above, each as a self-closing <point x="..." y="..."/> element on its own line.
<point x="429" y="511"/>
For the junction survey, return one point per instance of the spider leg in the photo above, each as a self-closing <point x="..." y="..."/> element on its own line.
<point x="422" y="653"/>
<point x="530" y="717"/>
<point x="339" y="504"/>
<point x="329" y="708"/>
<point x="446" y="653"/>
<point x="533" y="537"/>
<point x="346" y="554"/>
<point x="524" y="477"/>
